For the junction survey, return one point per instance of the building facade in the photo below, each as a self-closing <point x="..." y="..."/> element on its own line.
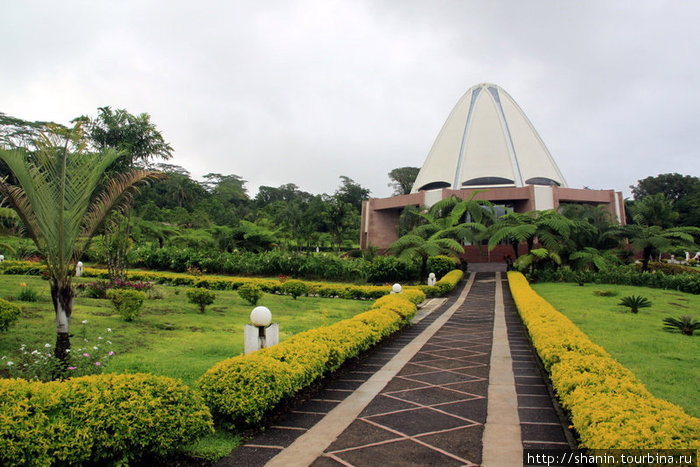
<point x="487" y="145"/>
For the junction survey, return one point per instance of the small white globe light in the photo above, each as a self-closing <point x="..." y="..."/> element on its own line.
<point x="396" y="288"/>
<point x="431" y="275"/>
<point x="261" y="316"/>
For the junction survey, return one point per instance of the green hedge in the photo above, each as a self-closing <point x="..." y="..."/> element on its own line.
<point x="242" y="389"/>
<point x="97" y="419"/>
<point x="623" y="275"/>
<point x="609" y="407"/>
<point x="327" y="266"/>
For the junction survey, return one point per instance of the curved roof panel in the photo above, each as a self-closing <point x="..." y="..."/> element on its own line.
<point x="487" y="138"/>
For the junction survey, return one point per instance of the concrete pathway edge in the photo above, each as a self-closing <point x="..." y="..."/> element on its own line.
<point x="311" y="445"/>
<point x="502" y="444"/>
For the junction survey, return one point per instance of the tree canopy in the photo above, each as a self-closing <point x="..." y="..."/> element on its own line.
<point x="402" y="179"/>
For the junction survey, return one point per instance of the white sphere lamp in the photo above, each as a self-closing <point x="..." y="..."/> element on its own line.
<point x="261" y="316"/>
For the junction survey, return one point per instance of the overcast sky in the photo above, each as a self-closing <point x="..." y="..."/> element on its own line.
<point x="305" y="91"/>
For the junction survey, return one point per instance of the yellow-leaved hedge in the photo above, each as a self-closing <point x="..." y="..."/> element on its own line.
<point x="242" y="389"/>
<point x="609" y="407"/>
<point x="97" y="419"/>
<point x="445" y="285"/>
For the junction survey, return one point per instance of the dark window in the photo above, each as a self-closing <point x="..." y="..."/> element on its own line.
<point x="434" y="186"/>
<point x="488" y="181"/>
<point x="541" y="181"/>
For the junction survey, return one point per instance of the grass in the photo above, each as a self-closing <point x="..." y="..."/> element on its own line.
<point x="170" y="337"/>
<point x="666" y="362"/>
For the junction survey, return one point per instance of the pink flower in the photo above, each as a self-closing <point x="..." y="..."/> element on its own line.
<point x="111" y="353"/>
<point x="86" y="355"/>
<point x="72" y="367"/>
<point x="97" y="364"/>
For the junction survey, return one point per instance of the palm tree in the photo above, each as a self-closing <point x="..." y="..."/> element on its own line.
<point x="593" y="259"/>
<point x="411" y="246"/>
<point x="62" y="199"/>
<point x="537" y="257"/>
<point x="549" y="228"/>
<point x="651" y="238"/>
<point x="513" y="227"/>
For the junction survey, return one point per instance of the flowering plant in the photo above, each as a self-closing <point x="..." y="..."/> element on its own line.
<point x="42" y="365"/>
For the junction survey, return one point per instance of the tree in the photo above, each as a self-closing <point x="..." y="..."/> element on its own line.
<point x="595" y="226"/>
<point x="402" y="179"/>
<point x="62" y="199"/>
<point x="652" y="238"/>
<point x="592" y="259"/>
<point x="537" y="257"/>
<point x="340" y="218"/>
<point x="549" y="228"/>
<point x="134" y="136"/>
<point x="227" y="188"/>
<point x="352" y="193"/>
<point x="138" y="141"/>
<point x="654" y="210"/>
<point x="681" y="191"/>
<point x="463" y="220"/>
<point x="413" y="246"/>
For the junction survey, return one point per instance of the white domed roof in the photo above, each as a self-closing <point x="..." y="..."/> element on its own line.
<point x="487" y="141"/>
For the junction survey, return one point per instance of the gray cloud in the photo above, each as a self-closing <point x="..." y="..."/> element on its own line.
<point x="306" y="91"/>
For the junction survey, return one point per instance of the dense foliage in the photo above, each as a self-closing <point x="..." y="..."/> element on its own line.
<point x="102" y="419"/>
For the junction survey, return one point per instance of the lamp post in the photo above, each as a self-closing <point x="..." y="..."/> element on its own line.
<point x="261" y="333"/>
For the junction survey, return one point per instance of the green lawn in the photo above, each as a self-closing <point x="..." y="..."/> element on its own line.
<point x="668" y="363"/>
<point x="171" y="337"/>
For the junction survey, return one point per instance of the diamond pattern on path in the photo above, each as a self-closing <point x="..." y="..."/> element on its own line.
<point x="434" y="410"/>
<point x="435" y="407"/>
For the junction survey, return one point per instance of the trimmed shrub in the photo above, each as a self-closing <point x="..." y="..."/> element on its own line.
<point x="98" y="419"/>
<point x="242" y="389"/>
<point x="441" y="265"/>
<point x="609" y="407"/>
<point x="399" y="305"/>
<point x="127" y="303"/>
<point x="251" y="293"/>
<point x="200" y="297"/>
<point x="294" y="288"/>
<point x="445" y="285"/>
<point x="9" y="313"/>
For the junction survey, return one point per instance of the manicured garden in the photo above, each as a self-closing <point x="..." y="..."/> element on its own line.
<point x="666" y="362"/>
<point x="170" y="337"/>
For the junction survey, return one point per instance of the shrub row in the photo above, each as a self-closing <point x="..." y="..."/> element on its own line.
<point x="624" y="275"/>
<point x="444" y="286"/>
<point x="101" y="419"/>
<point x="609" y="407"/>
<point x="668" y="268"/>
<point x="328" y="266"/>
<point x="242" y="389"/>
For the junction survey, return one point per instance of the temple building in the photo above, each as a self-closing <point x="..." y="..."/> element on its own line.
<point x="487" y="144"/>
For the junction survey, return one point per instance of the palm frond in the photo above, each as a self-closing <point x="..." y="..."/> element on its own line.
<point x="116" y="194"/>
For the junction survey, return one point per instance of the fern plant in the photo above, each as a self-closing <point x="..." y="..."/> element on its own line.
<point x="685" y="324"/>
<point x="635" y="302"/>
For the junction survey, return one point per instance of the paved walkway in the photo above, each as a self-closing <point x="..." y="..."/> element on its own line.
<point x="460" y="387"/>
